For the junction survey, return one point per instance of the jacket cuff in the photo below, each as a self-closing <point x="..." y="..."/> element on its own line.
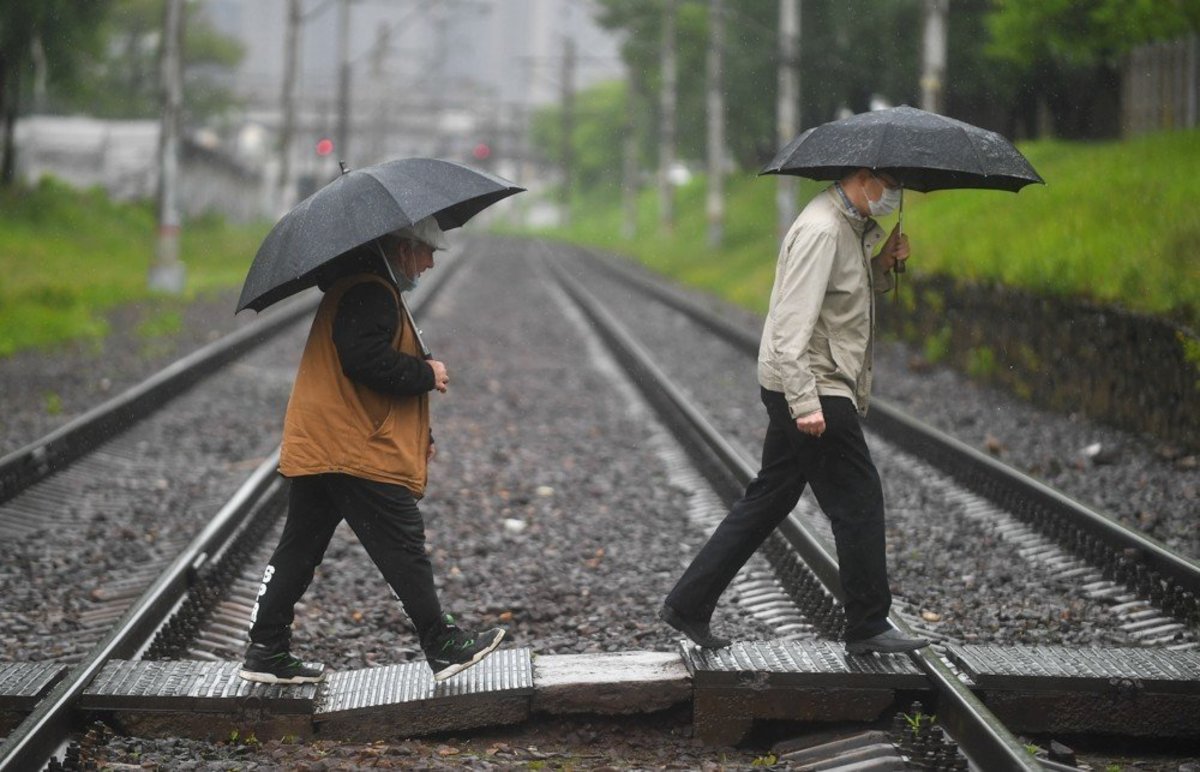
<point x="803" y="406"/>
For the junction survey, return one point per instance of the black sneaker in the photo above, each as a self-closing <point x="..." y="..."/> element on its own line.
<point x="455" y="650"/>
<point x="699" y="632"/>
<point x="267" y="666"/>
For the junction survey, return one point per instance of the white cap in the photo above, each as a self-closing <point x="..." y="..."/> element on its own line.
<point x="427" y="231"/>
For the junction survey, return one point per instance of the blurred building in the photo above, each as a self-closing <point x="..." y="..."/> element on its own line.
<point x="455" y="79"/>
<point x="122" y="158"/>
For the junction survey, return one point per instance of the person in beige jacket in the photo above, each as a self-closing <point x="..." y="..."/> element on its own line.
<point x="814" y="370"/>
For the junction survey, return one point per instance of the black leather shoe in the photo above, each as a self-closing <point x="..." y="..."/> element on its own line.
<point x="698" y="632"/>
<point x="890" y="641"/>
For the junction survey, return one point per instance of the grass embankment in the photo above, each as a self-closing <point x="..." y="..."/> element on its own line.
<point x="67" y="257"/>
<point x="1116" y="222"/>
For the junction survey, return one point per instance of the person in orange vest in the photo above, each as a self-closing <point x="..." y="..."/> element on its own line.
<point x="356" y="445"/>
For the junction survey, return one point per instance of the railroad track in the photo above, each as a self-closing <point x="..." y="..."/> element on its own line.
<point x="172" y="601"/>
<point x="1143" y="579"/>
<point x="1150" y="588"/>
<point x="798" y="603"/>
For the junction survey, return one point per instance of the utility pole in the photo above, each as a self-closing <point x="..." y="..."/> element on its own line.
<point x="666" y="126"/>
<point x="629" y="170"/>
<point x="787" y="107"/>
<point x="933" y="72"/>
<point x="291" y="46"/>
<point x="167" y="272"/>
<point x="342" y="142"/>
<point x="568" y="126"/>
<point x="715" y="205"/>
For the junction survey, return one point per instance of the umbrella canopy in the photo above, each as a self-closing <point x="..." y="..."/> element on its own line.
<point x="922" y="150"/>
<point x="357" y="207"/>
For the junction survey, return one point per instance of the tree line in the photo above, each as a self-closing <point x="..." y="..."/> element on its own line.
<point x="1025" y="68"/>
<point x="101" y="58"/>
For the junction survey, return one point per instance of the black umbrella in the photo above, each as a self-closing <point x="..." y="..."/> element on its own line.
<point x="924" y="151"/>
<point x="357" y="207"/>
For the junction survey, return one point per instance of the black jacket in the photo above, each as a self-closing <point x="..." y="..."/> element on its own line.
<point x="363" y="331"/>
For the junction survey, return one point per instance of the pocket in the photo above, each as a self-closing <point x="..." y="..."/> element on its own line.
<point x="846" y="362"/>
<point x="382" y="426"/>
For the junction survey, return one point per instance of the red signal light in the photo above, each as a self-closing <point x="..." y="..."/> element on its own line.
<point x="325" y="146"/>
<point x="481" y="152"/>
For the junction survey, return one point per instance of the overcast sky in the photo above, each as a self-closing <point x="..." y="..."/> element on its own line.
<point x="510" y="50"/>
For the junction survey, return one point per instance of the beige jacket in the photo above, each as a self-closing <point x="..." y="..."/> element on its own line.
<point x="820" y="327"/>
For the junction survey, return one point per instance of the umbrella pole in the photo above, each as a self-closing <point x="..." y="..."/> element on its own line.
<point x="425" y="352"/>
<point x="899" y="267"/>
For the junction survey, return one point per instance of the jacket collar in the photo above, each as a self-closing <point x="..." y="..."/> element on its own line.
<point x="842" y="203"/>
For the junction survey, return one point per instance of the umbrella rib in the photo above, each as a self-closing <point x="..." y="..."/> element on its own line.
<point x="979" y="157"/>
<point x="876" y="152"/>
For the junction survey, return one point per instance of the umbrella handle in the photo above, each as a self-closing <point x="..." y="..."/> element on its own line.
<point x="899" y="267"/>
<point x="425" y="352"/>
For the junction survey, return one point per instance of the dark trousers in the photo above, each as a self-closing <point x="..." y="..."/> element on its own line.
<point x="388" y="524"/>
<point x="846" y="484"/>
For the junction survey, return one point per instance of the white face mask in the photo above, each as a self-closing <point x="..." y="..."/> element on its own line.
<point x="886" y="204"/>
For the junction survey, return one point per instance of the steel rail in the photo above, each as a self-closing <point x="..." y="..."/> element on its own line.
<point x="982" y="737"/>
<point x="973" y="469"/>
<point x="39" y="459"/>
<point x="35" y="740"/>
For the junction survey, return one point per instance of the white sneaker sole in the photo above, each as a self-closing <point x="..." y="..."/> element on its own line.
<point x="270" y="678"/>
<point x="453" y="670"/>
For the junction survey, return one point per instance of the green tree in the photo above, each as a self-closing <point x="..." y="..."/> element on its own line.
<point x="61" y="33"/>
<point x="598" y="129"/>
<point x="1067" y="54"/>
<point x="123" y="81"/>
<point x="850" y="52"/>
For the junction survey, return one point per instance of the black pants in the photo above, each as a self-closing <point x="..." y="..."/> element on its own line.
<point x="388" y="524"/>
<point x="843" y="477"/>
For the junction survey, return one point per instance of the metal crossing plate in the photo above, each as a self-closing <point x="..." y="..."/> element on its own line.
<point x="792" y="664"/>
<point x="507" y="672"/>
<point x="22" y="684"/>
<point x="191" y="686"/>
<point x="1059" y="668"/>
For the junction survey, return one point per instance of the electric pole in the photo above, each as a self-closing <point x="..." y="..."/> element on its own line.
<point x="629" y="169"/>
<point x="167" y="272"/>
<point x="666" y="127"/>
<point x="933" y="73"/>
<point x="787" y="105"/>
<point x="568" y="126"/>
<point x="715" y="205"/>
<point x="342" y="141"/>
<point x="291" y="46"/>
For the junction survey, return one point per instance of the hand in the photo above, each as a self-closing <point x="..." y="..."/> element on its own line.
<point x="812" y="424"/>
<point x="440" y="378"/>
<point x="429" y="454"/>
<point x="895" y="250"/>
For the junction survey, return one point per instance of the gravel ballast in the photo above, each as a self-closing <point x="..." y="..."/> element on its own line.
<point x="551" y="509"/>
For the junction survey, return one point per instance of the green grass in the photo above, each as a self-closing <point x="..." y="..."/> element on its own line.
<point x="1116" y="223"/>
<point x="68" y="257"/>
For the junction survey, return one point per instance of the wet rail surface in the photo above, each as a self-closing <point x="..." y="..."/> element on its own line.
<point x="535" y="462"/>
<point x="1131" y="589"/>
